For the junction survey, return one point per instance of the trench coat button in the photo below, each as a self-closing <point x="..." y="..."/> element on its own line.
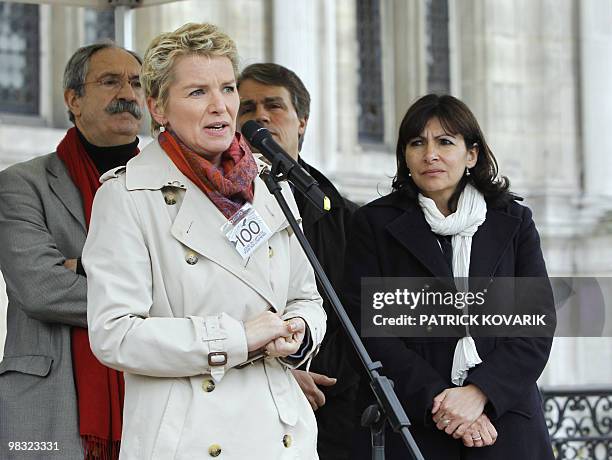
<point x="270" y="251"/>
<point x="208" y="385"/>
<point x="287" y="440"/>
<point x="170" y="198"/>
<point x="191" y="258"/>
<point x="214" y="450"/>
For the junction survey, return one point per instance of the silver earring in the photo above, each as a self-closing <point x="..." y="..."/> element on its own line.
<point x="467" y="171"/>
<point x="162" y="129"/>
<point x="409" y="173"/>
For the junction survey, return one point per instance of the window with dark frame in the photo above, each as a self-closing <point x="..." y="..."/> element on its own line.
<point x="99" y="25"/>
<point x="370" y="91"/>
<point x="20" y="58"/>
<point x="438" y="52"/>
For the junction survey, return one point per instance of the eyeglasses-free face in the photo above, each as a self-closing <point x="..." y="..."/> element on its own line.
<point x="202" y="104"/>
<point x="271" y="106"/>
<point x="437" y="160"/>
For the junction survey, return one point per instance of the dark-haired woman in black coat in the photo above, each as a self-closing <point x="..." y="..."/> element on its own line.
<point x="450" y="215"/>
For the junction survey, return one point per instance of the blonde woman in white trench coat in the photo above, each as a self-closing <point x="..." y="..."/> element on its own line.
<point x="171" y="301"/>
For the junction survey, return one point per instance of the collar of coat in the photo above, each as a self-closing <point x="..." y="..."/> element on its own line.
<point x="152" y="169"/>
<point x="412" y="231"/>
<point x="310" y="213"/>
<point x="324" y="184"/>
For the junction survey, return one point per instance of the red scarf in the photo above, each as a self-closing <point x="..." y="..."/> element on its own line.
<point x="99" y="389"/>
<point x="228" y="187"/>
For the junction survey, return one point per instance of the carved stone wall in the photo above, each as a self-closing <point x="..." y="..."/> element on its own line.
<point x="537" y="74"/>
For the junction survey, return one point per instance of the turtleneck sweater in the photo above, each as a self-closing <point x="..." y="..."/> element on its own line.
<point x="107" y="158"/>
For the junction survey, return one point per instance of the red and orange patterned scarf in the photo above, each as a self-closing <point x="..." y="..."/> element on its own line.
<point x="229" y="186"/>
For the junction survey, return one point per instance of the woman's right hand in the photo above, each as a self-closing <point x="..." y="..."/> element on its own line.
<point x="457" y="408"/>
<point x="481" y="433"/>
<point x="265" y="328"/>
<point x="285" y="346"/>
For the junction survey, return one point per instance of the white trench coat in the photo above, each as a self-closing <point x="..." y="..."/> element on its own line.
<point x="166" y="288"/>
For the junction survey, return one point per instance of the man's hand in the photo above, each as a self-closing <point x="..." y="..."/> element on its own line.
<point x="308" y="382"/>
<point x="480" y="433"/>
<point x="455" y="409"/>
<point x="71" y="264"/>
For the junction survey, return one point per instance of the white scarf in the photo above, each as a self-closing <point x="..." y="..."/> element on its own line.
<point x="462" y="224"/>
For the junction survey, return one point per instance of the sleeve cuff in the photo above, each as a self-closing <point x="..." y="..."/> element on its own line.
<point x="223" y="334"/>
<point x="305" y="346"/>
<point x="79" y="268"/>
<point x="307" y="349"/>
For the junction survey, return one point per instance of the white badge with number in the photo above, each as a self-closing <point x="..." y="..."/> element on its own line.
<point x="246" y="230"/>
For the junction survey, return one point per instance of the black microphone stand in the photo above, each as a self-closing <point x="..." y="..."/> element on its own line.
<point x="389" y="407"/>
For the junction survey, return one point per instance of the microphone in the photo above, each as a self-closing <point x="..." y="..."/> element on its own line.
<point x="261" y="139"/>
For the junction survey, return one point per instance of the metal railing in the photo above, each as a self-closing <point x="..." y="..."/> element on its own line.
<point x="579" y="421"/>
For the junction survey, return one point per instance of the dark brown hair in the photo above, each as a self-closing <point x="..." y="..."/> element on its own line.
<point x="276" y="75"/>
<point x="456" y="118"/>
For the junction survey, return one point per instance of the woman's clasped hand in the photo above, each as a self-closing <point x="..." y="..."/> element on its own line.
<point x="459" y="413"/>
<point x="278" y="338"/>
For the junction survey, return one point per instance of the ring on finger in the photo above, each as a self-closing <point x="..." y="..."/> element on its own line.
<point x="445" y="422"/>
<point x="476" y="437"/>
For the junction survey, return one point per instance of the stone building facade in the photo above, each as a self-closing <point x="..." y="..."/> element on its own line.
<point x="537" y="74"/>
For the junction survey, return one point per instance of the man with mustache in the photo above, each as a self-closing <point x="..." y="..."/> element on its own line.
<point x="276" y="97"/>
<point x="56" y="399"/>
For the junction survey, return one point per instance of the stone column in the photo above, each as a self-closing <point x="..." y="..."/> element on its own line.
<point x="304" y="41"/>
<point x="65" y="33"/>
<point x="409" y="77"/>
<point x="124" y="27"/>
<point x="596" y="96"/>
<point x="347" y="62"/>
<point x="519" y="76"/>
<point x="243" y="20"/>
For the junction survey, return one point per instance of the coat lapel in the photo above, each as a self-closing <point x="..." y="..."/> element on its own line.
<point x="198" y="222"/>
<point x="412" y="231"/>
<point x="490" y="242"/>
<point x="488" y="245"/>
<point x="198" y="226"/>
<point x="62" y="186"/>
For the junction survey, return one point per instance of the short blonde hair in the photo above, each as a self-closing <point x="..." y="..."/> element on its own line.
<point x="163" y="51"/>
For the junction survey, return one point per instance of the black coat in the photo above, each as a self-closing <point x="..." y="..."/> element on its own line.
<point x="327" y="233"/>
<point x="390" y="237"/>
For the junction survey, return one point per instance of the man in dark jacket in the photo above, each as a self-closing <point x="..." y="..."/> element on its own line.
<point x="275" y="97"/>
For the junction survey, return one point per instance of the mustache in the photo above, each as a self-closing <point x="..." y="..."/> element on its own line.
<point x="121" y="105"/>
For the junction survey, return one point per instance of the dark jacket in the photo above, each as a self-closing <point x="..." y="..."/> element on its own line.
<point x="327" y="234"/>
<point x="390" y="237"/>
